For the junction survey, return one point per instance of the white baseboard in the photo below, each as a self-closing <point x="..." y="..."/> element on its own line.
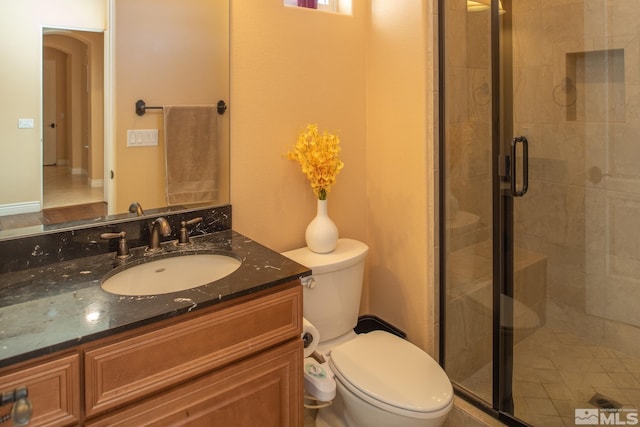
<point x="62" y="162"/>
<point x="19" y="208"/>
<point x="78" y="171"/>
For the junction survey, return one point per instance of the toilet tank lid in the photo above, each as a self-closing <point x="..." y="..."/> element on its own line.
<point x="388" y="369"/>
<point x="347" y="253"/>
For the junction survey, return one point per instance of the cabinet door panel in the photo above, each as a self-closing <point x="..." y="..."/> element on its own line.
<point x="264" y="390"/>
<point x="118" y="373"/>
<point x="54" y="390"/>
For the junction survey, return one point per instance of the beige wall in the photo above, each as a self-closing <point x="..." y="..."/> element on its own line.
<point x="367" y="77"/>
<point x="163" y="61"/>
<point x="20" y="78"/>
<point x="290" y="67"/>
<point x="400" y="166"/>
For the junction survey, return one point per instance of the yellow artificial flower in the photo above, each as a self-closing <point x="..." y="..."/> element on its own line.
<point x="317" y="154"/>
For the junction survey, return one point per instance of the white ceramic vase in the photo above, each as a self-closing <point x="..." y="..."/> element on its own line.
<point x="321" y="234"/>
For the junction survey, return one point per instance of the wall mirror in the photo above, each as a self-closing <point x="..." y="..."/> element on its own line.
<point x="76" y="74"/>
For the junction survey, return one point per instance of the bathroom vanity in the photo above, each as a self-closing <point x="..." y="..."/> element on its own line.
<point x="226" y="353"/>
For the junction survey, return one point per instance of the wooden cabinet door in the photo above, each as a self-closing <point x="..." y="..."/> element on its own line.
<point x="54" y="390"/>
<point x="265" y="390"/>
<point x="126" y="370"/>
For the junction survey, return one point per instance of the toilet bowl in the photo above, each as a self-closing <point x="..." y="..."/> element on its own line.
<point x="382" y="380"/>
<point x="386" y="381"/>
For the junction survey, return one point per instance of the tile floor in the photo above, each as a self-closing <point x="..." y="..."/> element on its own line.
<point x="62" y="192"/>
<point x="557" y="372"/>
<point x="61" y="188"/>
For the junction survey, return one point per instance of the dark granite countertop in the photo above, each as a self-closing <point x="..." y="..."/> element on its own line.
<point x="49" y="308"/>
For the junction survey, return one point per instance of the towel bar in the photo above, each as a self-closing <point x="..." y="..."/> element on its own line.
<point x="141" y="107"/>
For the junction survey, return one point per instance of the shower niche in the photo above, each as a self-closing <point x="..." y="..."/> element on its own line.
<point x="591" y="78"/>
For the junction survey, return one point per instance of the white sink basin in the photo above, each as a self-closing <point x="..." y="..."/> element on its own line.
<point x="170" y="274"/>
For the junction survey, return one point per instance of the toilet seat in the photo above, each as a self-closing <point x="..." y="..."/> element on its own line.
<point x="393" y="374"/>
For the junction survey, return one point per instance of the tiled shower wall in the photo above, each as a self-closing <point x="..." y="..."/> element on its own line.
<point x="576" y="79"/>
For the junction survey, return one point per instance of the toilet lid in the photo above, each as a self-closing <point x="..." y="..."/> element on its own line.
<point x="393" y="371"/>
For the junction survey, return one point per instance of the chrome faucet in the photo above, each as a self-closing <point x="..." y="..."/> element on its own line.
<point x="158" y="226"/>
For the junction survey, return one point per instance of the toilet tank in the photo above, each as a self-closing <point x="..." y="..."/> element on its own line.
<point x="331" y="296"/>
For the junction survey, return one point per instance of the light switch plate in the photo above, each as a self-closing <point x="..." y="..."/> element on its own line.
<point x="142" y="137"/>
<point x="25" y="123"/>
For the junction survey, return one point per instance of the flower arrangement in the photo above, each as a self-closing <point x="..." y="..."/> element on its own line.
<point x="317" y="154"/>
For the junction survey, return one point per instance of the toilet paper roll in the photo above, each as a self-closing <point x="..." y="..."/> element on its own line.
<point x="310" y="337"/>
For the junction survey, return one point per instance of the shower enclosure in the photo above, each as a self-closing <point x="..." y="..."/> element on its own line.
<point x="540" y="208"/>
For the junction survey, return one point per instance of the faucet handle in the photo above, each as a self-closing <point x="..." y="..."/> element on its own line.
<point x="183" y="238"/>
<point x="123" y="245"/>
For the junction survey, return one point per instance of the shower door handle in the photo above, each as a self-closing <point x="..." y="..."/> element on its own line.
<point x="515" y="192"/>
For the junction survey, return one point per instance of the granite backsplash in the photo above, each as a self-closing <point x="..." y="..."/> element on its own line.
<point x="19" y="253"/>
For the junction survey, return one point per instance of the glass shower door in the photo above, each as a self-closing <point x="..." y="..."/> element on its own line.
<point x="541" y="292"/>
<point x="467" y="237"/>
<point x="573" y="79"/>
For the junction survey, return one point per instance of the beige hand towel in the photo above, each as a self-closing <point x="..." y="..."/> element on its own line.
<point x="191" y="153"/>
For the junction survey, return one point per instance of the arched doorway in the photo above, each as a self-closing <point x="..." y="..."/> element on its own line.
<point x="73" y="120"/>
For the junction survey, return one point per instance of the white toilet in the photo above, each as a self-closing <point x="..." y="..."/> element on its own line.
<point x="382" y="380"/>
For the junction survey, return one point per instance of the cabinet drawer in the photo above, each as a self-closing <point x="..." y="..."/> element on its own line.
<point x="118" y="373"/>
<point x="54" y="390"/>
<point x="264" y="390"/>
